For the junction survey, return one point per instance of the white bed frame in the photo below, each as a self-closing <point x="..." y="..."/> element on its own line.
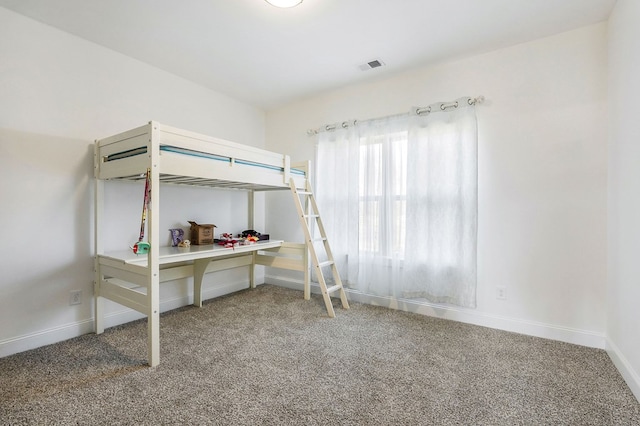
<point x="133" y="280"/>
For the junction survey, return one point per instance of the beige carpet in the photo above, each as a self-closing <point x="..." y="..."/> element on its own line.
<point x="267" y="357"/>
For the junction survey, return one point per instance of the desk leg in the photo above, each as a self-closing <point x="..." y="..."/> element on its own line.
<point x="252" y="271"/>
<point x="99" y="312"/>
<point x="99" y="302"/>
<point x="199" y="268"/>
<point x="153" y="331"/>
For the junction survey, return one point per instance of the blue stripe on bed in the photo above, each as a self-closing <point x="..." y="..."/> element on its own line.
<point x="194" y="153"/>
<point x="183" y="151"/>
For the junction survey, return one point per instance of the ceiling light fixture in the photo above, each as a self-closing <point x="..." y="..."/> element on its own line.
<point x="284" y="3"/>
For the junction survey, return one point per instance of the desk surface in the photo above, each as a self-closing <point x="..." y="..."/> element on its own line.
<point x="182" y="254"/>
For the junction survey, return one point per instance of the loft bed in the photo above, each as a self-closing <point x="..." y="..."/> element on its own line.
<point x="183" y="157"/>
<point x="179" y="157"/>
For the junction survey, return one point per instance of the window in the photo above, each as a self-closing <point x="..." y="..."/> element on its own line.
<point x="383" y="195"/>
<point x="401" y="193"/>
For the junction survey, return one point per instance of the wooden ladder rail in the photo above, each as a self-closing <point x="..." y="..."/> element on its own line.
<point x="309" y="215"/>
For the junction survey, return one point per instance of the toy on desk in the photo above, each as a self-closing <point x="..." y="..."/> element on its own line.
<point x="177" y="236"/>
<point x="142" y="247"/>
<point x="228" y="241"/>
<point x="251" y="239"/>
<point x="250" y="233"/>
<point x="184" y="243"/>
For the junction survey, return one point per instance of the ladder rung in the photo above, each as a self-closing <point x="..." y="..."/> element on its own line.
<point x="333" y="288"/>
<point x="311" y="215"/>
<point x="317" y="240"/>
<point x="305" y="193"/>
<point x="326" y="263"/>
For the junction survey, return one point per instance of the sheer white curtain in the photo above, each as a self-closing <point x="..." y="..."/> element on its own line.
<point x="401" y="197"/>
<point x="442" y="205"/>
<point x="337" y="183"/>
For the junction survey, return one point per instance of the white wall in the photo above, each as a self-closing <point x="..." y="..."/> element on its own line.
<point x="58" y="94"/>
<point x="542" y="176"/>
<point x="623" y="315"/>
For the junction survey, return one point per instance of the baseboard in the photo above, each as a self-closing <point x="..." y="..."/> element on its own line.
<point x="45" y="337"/>
<point x="531" y="328"/>
<point x="624" y="367"/>
<point x="68" y="331"/>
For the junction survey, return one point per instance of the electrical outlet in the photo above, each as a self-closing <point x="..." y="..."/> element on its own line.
<point x="75" y="298"/>
<point x="501" y="293"/>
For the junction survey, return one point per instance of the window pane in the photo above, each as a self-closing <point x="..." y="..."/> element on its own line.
<point x="399" y="233"/>
<point x="383" y="186"/>
<point x="370" y="169"/>
<point x="400" y="167"/>
<point x="369" y="230"/>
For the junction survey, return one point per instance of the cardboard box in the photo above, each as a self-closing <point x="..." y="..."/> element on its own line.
<point x="201" y="233"/>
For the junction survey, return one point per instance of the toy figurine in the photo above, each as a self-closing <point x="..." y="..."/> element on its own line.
<point x="177" y="236"/>
<point x="228" y="241"/>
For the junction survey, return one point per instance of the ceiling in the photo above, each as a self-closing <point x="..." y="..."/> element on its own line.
<point x="267" y="57"/>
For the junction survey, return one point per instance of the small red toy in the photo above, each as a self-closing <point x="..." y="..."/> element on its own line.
<point x="228" y="241"/>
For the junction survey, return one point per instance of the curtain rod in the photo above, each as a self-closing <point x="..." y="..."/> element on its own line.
<point x="443" y="106"/>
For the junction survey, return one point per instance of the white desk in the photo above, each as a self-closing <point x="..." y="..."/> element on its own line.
<point x="125" y="277"/>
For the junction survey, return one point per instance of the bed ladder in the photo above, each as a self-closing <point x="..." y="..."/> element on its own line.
<point x="308" y="216"/>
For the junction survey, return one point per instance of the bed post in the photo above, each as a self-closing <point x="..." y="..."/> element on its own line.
<point x="97" y="241"/>
<point x="153" y="290"/>
<point x="287" y="169"/>
<point x="251" y="224"/>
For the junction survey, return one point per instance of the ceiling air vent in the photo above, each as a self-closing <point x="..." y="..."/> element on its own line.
<point x="376" y="63"/>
